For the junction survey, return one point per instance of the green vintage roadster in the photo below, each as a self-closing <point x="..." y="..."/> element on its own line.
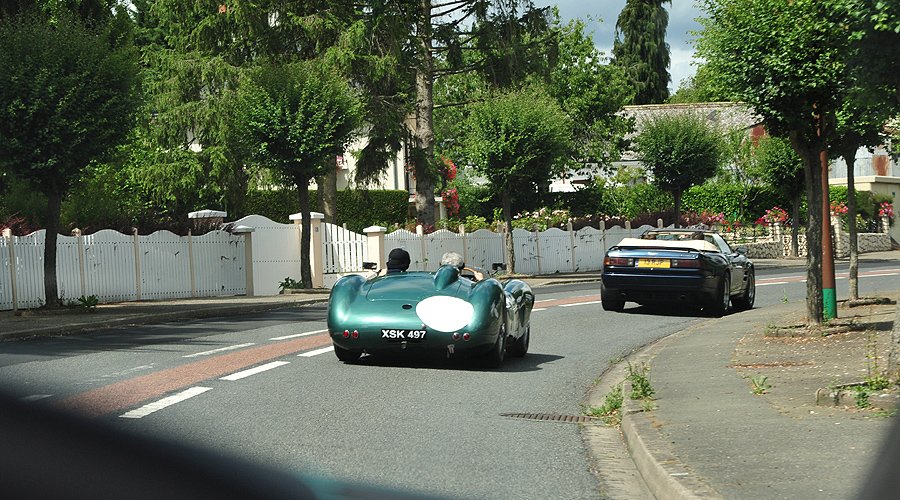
<point x="450" y="310"/>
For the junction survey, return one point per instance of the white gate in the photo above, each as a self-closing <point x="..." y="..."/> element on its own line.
<point x="344" y="251"/>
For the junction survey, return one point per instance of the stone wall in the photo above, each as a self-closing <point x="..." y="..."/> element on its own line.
<point x="866" y="242"/>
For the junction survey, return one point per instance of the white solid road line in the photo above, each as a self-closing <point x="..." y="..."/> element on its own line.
<point x="254" y="371"/>
<point x="221" y="349"/>
<point x="316" y="352"/>
<point x="155" y="406"/>
<point x="536" y="309"/>
<point x="298" y="335"/>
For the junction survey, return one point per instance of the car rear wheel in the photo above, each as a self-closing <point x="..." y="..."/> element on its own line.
<point x="497" y="354"/>
<point x="611" y="301"/>
<point x="520" y="347"/>
<point x="746" y="300"/>
<point x="347" y="355"/>
<point x="722" y="299"/>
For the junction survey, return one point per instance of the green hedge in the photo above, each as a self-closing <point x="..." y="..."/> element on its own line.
<point x="357" y="208"/>
<point x="736" y="201"/>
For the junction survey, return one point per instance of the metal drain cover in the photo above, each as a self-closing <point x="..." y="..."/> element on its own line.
<point x="552" y="417"/>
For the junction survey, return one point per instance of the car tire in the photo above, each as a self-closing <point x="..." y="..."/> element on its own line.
<point x="347" y="355"/>
<point x="520" y="347"/>
<point x="746" y="299"/>
<point x="610" y="301"/>
<point x="718" y="303"/>
<point x="495" y="357"/>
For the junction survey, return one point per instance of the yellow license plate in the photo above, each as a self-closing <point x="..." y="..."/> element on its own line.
<point x="657" y="263"/>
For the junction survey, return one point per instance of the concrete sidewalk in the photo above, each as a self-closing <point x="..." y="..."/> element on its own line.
<point x="710" y="436"/>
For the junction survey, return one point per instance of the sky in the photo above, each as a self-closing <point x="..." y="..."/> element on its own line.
<point x="605" y="13"/>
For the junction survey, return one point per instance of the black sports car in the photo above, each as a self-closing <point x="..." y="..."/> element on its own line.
<point x="678" y="265"/>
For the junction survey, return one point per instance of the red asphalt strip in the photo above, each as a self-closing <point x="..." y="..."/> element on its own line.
<point x="128" y="393"/>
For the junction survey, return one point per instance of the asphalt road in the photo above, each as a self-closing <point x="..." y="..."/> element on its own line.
<point x="268" y="389"/>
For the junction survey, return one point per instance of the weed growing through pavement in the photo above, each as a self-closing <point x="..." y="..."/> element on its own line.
<point x="760" y="384"/>
<point x="875" y="379"/>
<point x="611" y="409"/>
<point x="784" y="297"/>
<point x="862" y="397"/>
<point x="639" y="376"/>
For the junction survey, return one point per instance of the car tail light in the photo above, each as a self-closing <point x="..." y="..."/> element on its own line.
<point x="346" y="334"/>
<point x="456" y="336"/>
<point x="355" y="334"/>
<point x="618" y="261"/>
<point x="466" y="336"/>
<point x="686" y="263"/>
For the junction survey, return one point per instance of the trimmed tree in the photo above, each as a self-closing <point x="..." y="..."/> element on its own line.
<point x="67" y="98"/>
<point x="679" y="150"/>
<point x="298" y="118"/>
<point x="786" y="59"/>
<point x="518" y="140"/>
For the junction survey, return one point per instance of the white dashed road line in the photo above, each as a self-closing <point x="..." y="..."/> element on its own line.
<point x="155" y="406"/>
<point x="580" y="303"/>
<point x="316" y="352"/>
<point x="35" y="397"/>
<point x="298" y="335"/>
<point x="221" y="349"/>
<point x="254" y="371"/>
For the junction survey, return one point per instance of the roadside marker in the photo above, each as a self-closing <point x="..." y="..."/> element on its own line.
<point x="254" y="371"/>
<point x="155" y="406"/>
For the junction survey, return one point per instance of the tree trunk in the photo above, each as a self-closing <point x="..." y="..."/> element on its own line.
<point x="424" y="109"/>
<point x="327" y="196"/>
<point x="51" y="291"/>
<point x="850" y="159"/>
<point x="305" y="227"/>
<point x="795" y="229"/>
<point x="508" y="236"/>
<point x="809" y="153"/>
<point x="677" y="196"/>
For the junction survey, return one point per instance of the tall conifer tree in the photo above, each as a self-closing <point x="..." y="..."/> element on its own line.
<point x="640" y="48"/>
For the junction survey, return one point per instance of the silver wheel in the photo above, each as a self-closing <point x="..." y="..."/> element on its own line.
<point x="722" y="299"/>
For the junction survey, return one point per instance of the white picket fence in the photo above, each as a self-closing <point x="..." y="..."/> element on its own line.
<point x="118" y="267"/>
<point x="536" y="252"/>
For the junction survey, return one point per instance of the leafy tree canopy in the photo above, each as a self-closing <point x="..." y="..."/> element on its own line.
<point x="679" y="150"/>
<point x="591" y="92"/>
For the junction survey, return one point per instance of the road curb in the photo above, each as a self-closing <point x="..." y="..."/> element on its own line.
<point x="663" y="474"/>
